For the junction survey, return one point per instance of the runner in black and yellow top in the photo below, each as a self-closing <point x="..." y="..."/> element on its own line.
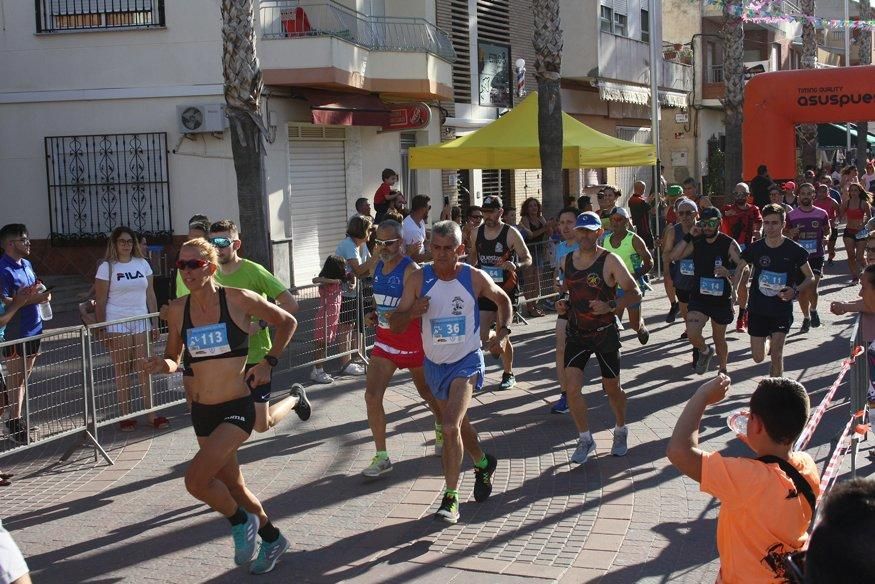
<point x="635" y="255"/>
<point x="499" y="250"/>
<point x="211" y="325"/>
<point x="237" y="272"/>
<point x="592" y="276"/>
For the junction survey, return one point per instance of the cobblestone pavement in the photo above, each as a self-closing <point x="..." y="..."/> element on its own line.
<point x="630" y="519"/>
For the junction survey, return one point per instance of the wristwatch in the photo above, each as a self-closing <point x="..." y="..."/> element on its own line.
<point x="503" y="328"/>
<point x="612" y="304"/>
<point x="271" y="360"/>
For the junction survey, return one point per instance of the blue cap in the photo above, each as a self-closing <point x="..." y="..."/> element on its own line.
<point x="588" y="220"/>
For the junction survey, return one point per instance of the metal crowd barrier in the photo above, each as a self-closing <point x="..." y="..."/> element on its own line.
<point x="858" y="380"/>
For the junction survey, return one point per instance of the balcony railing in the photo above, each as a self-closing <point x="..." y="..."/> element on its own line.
<point x="80" y="15"/>
<point x="715" y="74"/>
<point x="293" y="19"/>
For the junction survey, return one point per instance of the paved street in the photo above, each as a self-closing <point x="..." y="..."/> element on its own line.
<point x="630" y="519"/>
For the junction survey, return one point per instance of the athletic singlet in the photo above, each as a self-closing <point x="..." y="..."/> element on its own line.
<point x="491" y="252"/>
<point x="583" y="286"/>
<point x="710" y="288"/>
<point x="855" y="214"/>
<point x="216" y="340"/>
<point x="682" y="272"/>
<point x="451" y="325"/>
<point x="626" y="251"/>
<point x="387" y="294"/>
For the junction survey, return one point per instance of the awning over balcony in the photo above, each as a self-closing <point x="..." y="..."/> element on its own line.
<point x="673" y="99"/>
<point x="331" y="108"/>
<point x="610" y="91"/>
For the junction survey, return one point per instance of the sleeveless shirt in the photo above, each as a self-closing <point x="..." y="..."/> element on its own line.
<point x="451" y="325"/>
<point x="215" y="340"/>
<point x="583" y="286"/>
<point x="626" y="251"/>
<point x="388" y="289"/>
<point x="491" y="252"/>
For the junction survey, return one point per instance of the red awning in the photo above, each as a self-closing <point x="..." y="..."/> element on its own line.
<point x="330" y="108"/>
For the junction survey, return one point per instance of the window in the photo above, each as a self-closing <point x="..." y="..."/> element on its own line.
<point x="607" y="19"/>
<point x="619" y="24"/>
<point x="645" y="26"/>
<point x="99" y="182"/>
<point x="63" y="15"/>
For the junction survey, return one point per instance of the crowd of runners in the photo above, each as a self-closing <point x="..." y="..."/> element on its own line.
<point x="441" y="301"/>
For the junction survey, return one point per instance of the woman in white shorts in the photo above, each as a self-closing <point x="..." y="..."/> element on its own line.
<point x="123" y="289"/>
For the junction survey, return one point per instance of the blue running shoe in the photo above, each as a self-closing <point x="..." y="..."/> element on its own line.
<point x="561" y="406"/>
<point x="268" y="554"/>
<point x="244" y="539"/>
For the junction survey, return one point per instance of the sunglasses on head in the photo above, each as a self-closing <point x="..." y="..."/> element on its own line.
<point x="385" y="242"/>
<point x="191" y="264"/>
<point x="221" y="242"/>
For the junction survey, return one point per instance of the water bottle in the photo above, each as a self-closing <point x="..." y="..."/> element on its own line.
<point x="44" y="308"/>
<point x="718" y="262"/>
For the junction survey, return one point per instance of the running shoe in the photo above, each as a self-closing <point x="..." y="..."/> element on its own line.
<point x="483" y="479"/>
<point x="643" y="335"/>
<point x="695" y="357"/>
<point x="704" y="360"/>
<point x="741" y="323"/>
<point x="672" y="312"/>
<point x="806" y="325"/>
<point x="619" y="447"/>
<point x="583" y="450"/>
<point x="449" y="509"/>
<point x="321" y="376"/>
<point x="561" y="405"/>
<point x="353" y="369"/>
<point x="268" y="554"/>
<point x="550" y="305"/>
<point x="379" y="466"/>
<point x="507" y="381"/>
<point x="815" y="319"/>
<point x="244" y="539"/>
<point x="302" y="408"/>
<point x="438" y="440"/>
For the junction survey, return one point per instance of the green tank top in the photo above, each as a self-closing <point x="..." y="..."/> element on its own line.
<point x="626" y="251"/>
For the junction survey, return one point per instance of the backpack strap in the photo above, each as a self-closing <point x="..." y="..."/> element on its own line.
<point x="802" y="486"/>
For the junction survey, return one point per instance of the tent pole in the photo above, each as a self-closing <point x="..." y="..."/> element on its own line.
<point x="655" y="63"/>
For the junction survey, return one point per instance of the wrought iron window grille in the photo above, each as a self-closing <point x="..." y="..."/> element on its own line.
<point x="92" y="15"/>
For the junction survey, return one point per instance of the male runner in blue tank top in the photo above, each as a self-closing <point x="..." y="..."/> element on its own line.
<point x="592" y="276"/>
<point x="393" y="351"/>
<point x="445" y="297"/>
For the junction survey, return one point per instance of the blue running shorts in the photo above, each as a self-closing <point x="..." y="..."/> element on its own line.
<point x="440" y="376"/>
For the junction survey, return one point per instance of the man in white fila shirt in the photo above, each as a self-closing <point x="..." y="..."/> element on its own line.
<point x="444" y="296"/>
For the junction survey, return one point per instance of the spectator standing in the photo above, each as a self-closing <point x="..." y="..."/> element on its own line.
<point x="766" y="504"/>
<point x="330" y="279"/>
<point x="640" y="210"/>
<point x="123" y="289"/>
<point x="475" y="219"/>
<point x="535" y="230"/>
<point x="16" y="273"/>
<point x="7" y="311"/>
<point x="385" y="196"/>
<point x="584" y="204"/>
<point x="413" y="229"/>
<point x="759" y="186"/>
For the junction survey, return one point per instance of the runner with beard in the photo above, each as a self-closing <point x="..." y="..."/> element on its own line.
<point x="682" y="272"/>
<point x="809" y="226"/>
<point x="742" y="222"/>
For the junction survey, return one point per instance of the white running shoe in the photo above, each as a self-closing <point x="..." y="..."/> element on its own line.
<point x="619" y="447"/>
<point x="583" y="450"/>
<point x="353" y="369"/>
<point x="320" y="376"/>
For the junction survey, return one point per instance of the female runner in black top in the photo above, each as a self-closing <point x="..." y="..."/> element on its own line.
<point x="211" y="325"/>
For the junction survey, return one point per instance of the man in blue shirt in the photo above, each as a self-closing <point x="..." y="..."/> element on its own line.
<point x="16" y="273"/>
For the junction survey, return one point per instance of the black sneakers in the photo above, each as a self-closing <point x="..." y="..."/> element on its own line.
<point x="483" y="479"/>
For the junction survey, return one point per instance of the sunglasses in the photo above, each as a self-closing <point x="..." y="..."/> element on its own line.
<point x="385" y="242"/>
<point x="710" y="222"/>
<point x="191" y="264"/>
<point x="221" y="242"/>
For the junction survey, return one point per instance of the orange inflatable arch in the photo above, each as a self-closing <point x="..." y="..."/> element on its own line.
<point x="775" y="103"/>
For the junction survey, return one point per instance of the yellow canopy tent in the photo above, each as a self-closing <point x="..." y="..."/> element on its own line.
<point x="511" y="141"/>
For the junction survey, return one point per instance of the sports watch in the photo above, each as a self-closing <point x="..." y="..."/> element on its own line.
<point x="271" y="360"/>
<point x="612" y="304"/>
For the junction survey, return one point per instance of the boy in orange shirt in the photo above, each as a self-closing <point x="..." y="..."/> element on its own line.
<point x="763" y="514"/>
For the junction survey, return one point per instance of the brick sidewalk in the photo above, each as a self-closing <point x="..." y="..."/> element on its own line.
<point x="630" y="519"/>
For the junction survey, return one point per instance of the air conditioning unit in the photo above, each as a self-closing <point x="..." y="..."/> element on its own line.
<point x="192" y="119"/>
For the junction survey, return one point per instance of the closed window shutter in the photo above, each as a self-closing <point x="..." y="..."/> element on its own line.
<point x="493" y="21"/>
<point x="459" y="35"/>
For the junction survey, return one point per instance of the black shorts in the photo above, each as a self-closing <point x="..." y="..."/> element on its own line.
<point x="206" y="417"/>
<point x="683" y="295"/>
<point x="260" y="393"/>
<point x="816" y="265"/>
<point x="763" y="325"/>
<point x="18" y="349"/>
<point x="721" y="313"/>
<point x="487" y="305"/>
<point x="605" y="343"/>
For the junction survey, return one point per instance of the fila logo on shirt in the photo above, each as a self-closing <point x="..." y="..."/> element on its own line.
<point x="128" y="276"/>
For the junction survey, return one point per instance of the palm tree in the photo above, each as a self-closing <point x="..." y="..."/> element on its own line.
<point x="548" y="60"/>
<point x="809" y="61"/>
<point x="865" y="59"/>
<point x="243" y="86"/>
<point x="733" y="77"/>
